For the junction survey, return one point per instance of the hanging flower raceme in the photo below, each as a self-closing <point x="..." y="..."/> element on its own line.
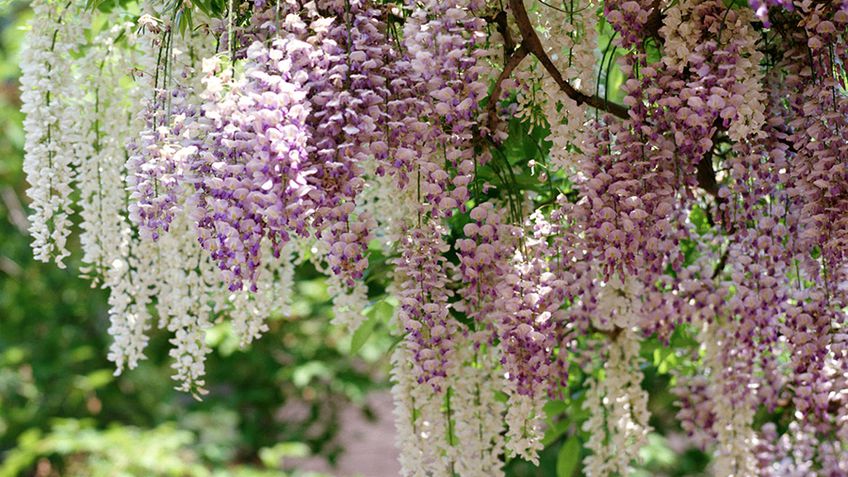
<point x="102" y="208"/>
<point x="619" y="410"/>
<point x="348" y="93"/>
<point x="444" y="43"/>
<point x="55" y="135"/>
<point x="528" y="314"/>
<point x="251" y="168"/>
<point x="483" y="259"/>
<point x="424" y="295"/>
<point x="158" y="160"/>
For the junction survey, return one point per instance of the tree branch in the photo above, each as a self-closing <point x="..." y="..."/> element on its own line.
<point x="706" y="176"/>
<point x="512" y="61"/>
<point x="501" y="22"/>
<point x="530" y="40"/>
<point x="530" y="43"/>
<point x="722" y="262"/>
<point x="655" y="22"/>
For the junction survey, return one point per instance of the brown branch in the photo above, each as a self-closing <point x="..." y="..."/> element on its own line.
<point x="612" y="334"/>
<point x="512" y="61"/>
<point x="706" y="176"/>
<point x="722" y="262"/>
<point x="531" y="41"/>
<point x="655" y="22"/>
<point x="501" y="22"/>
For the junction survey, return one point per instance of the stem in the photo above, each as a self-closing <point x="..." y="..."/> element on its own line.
<point x="531" y="41"/>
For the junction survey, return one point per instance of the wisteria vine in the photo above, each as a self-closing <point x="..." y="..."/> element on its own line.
<point x="554" y="183"/>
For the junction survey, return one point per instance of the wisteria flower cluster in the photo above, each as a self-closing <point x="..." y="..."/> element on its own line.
<point x="553" y="188"/>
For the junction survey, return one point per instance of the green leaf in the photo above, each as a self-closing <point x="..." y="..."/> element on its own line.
<point x="700" y="220"/>
<point x="272" y="457"/>
<point x="554" y="432"/>
<point x="555" y="407"/>
<point x="361" y="335"/>
<point x="304" y="373"/>
<point x="379" y="312"/>
<point x="95" y="379"/>
<point x="664" y="360"/>
<point x="568" y="457"/>
<point x="204" y="6"/>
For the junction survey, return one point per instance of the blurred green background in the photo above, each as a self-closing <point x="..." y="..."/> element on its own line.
<point x="297" y="399"/>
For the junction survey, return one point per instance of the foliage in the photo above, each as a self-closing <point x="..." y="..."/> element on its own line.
<point x="126" y="451"/>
